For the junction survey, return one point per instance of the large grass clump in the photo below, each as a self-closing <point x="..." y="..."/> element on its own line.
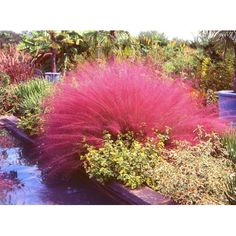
<point x="117" y="98"/>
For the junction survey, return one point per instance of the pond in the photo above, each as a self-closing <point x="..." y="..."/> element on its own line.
<point x="30" y="187"/>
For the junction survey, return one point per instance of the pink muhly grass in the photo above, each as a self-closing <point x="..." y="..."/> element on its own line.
<point x="117" y="98"/>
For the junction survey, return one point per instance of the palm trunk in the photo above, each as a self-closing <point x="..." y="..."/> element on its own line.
<point x="235" y="68"/>
<point x="53" y="60"/>
<point x="112" y="37"/>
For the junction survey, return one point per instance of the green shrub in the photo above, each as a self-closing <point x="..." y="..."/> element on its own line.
<point x="217" y="75"/>
<point x="189" y="174"/>
<point x="9" y="102"/>
<point x="231" y="190"/>
<point x="23" y="98"/>
<point x="229" y="141"/>
<point x="193" y="174"/>
<point x="211" y="97"/>
<point x="25" y="101"/>
<point x="30" y="108"/>
<point x="124" y="159"/>
<point x="181" y="60"/>
<point x="31" y="94"/>
<point x="32" y="124"/>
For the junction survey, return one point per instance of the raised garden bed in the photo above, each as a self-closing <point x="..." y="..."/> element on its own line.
<point x="123" y="195"/>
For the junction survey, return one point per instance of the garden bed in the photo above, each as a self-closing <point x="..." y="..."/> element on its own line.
<point x="123" y="195"/>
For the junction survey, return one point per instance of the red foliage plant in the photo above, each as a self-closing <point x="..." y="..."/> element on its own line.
<point x="16" y="64"/>
<point x="5" y="184"/>
<point x="117" y="98"/>
<point x="6" y="142"/>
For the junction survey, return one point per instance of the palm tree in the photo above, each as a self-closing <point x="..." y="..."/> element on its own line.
<point x="107" y="43"/>
<point x="61" y="47"/>
<point x="228" y="38"/>
<point x="8" y="38"/>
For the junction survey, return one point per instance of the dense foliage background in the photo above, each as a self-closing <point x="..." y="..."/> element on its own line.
<point x="203" y="60"/>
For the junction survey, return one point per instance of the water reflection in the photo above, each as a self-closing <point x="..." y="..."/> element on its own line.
<point x="31" y="189"/>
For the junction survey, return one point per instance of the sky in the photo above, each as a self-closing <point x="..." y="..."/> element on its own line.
<point x="180" y="19"/>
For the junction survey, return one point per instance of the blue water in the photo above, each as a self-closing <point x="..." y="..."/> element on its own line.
<point x="31" y="189"/>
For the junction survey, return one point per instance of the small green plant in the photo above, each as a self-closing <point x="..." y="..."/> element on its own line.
<point x="9" y="102"/>
<point x="211" y="97"/>
<point x="6" y="140"/>
<point x="3" y="133"/>
<point x="229" y="141"/>
<point x="32" y="124"/>
<point x="231" y="190"/>
<point x="4" y="79"/>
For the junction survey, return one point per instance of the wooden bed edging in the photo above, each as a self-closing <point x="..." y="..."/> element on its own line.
<point x="141" y="196"/>
<point x="10" y="124"/>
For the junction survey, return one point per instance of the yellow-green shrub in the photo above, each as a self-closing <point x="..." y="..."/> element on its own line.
<point x="217" y="75"/>
<point x="189" y="174"/>
<point x="193" y="174"/>
<point x="124" y="159"/>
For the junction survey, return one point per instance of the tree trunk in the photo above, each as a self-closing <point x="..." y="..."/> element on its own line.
<point x="112" y="37"/>
<point x="235" y="68"/>
<point x="53" y="60"/>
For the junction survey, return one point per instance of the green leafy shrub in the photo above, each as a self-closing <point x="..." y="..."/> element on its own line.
<point x="124" y="159"/>
<point x="193" y="174"/>
<point x="64" y="46"/>
<point x="189" y="174"/>
<point x="181" y="60"/>
<point x="30" y="107"/>
<point x="32" y="124"/>
<point x="24" y="100"/>
<point x="211" y="97"/>
<point x="9" y="101"/>
<point x="217" y="75"/>
<point x="229" y="141"/>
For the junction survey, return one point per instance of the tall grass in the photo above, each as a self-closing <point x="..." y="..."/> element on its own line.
<point x="31" y="94"/>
